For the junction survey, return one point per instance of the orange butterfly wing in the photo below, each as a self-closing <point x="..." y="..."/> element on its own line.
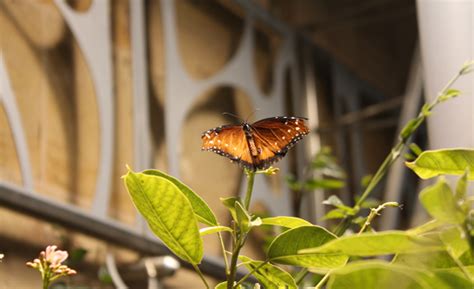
<point x="269" y="138"/>
<point x="274" y="136"/>
<point x="228" y="141"/>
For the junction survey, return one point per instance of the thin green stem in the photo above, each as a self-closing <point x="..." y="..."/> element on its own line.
<point x="375" y="212"/>
<point x="322" y="281"/>
<point x="463" y="268"/>
<point x="250" y="273"/>
<point x="300" y="276"/>
<point x="196" y="268"/>
<point x="372" y="215"/>
<point x="248" y="194"/>
<point x="381" y="172"/>
<point x="233" y="264"/>
<point x="221" y="241"/>
<point x="46" y="280"/>
<point x="240" y="237"/>
<point x="396" y="151"/>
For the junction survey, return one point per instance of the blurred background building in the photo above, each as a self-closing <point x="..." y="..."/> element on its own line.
<point x="87" y="86"/>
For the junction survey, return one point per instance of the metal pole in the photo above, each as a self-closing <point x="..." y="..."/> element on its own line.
<point x="15" y="198"/>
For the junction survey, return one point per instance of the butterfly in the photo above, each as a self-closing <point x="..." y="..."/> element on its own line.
<point x="258" y="145"/>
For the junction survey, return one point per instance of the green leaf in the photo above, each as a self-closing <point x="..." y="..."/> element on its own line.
<point x="409" y="157"/>
<point x="256" y="222"/>
<point x="75" y="256"/>
<point x="104" y="276"/>
<point x="455" y="240"/>
<point x="200" y="207"/>
<point x="461" y="187"/>
<point x="326" y="163"/>
<point x="365" y="181"/>
<point x="451" y="93"/>
<point x="426" y="227"/>
<point x="433" y="163"/>
<point x="426" y="109"/>
<point x="370" y="203"/>
<point x="223" y="285"/>
<point x="434" y="260"/>
<point x="229" y="203"/>
<point x="215" y="229"/>
<point x="455" y="281"/>
<point x="243" y="218"/>
<point x="284" y="248"/>
<point x="285" y="221"/>
<point x="333" y="200"/>
<point x="377" y="274"/>
<point x="325" y="184"/>
<point x="359" y="220"/>
<point x="409" y="128"/>
<point x="168" y="212"/>
<point x="439" y="201"/>
<point x="334" y="214"/>
<point x="270" y="276"/>
<point x="415" y="149"/>
<point x="467" y="67"/>
<point x="374" y="244"/>
<point x="293" y="184"/>
<point x="457" y="271"/>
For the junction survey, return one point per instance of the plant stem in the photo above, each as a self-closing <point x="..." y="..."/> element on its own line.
<point x="221" y="241"/>
<point x="395" y="152"/>
<point x="240" y="237"/>
<point x="462" y="268"/>
<point x="248" y="194"/>
<point x="201" y="275"/>
<point x="397" y="149"/>
<point x="233" y="263"/>
<point x="300" y="276"/>
<point x="250" y="273"/>
<point x="46" y="280"/>
<point x="322" y="281"/>
<point x="376" y="212"/>
<point x="382" y="171"/>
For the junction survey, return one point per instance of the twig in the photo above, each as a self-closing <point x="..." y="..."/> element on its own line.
<point x="201" y="275"/>
<point x="250" y="273"/>
<point x="376" y="212"/>
<point x="248" y="194"/>
<point x="322" y="281"/>
<point x="405" y="135"/>
<point x="221" y="241"/>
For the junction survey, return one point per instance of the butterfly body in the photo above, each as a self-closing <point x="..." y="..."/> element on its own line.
<point x="258" y="145"/>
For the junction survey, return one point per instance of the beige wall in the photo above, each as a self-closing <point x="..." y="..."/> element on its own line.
<point x="57" y="102"/>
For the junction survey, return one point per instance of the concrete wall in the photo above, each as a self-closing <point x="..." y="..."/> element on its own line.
<point x="57" y="104"/>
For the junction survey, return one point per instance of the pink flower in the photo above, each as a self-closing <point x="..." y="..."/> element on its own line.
<point x="49" y="263"/>
<point x="53" y="257"/>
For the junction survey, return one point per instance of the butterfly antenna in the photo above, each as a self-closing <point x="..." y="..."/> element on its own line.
<point x="251" y="114"/>
<point x="233" y="115"/>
